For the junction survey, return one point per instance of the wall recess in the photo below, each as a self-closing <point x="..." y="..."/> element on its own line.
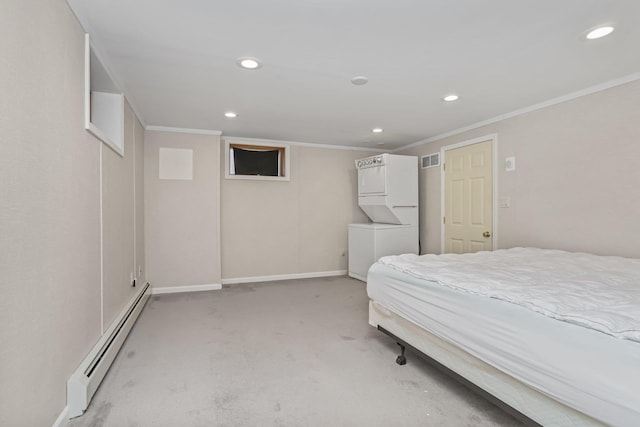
<point x="104" y="102"/>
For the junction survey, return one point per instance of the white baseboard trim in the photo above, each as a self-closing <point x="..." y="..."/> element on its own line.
<point x="252" y="279"/>
<point x="62" y="418"/>
<point x="188" y="288"/>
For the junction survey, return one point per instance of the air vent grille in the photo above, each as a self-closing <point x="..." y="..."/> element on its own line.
<point x="430" y="160"/>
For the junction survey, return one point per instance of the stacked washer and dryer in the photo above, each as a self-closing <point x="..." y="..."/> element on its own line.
<point x="388" y="194"/>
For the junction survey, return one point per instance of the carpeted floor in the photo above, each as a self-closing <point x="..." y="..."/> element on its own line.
<point x="289" y="353"/>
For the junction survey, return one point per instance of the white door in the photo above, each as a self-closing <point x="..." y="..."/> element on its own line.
<point x="468" y="214"/>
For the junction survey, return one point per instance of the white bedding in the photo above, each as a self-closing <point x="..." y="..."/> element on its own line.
<point x="593" y="372"/>
<point x="601" y="293"/>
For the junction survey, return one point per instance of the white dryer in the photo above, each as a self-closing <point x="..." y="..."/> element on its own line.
<point x="388" y="194"/>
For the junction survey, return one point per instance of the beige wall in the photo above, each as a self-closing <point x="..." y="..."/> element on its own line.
<point x="182" y="217"/>
<point x="140" y="265"/>
<point x="576" y="182"/>
<point x="575" y="188"/>
<point x="49" y="211"/>
<point x="118" y="222"/>
<point x="297" y="226"/>
<point x="50" y="246"/>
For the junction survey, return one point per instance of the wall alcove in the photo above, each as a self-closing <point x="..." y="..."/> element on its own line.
<point x="104" y="102"/>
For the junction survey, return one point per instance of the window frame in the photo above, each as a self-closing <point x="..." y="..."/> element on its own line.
<point x="283" y="148"/>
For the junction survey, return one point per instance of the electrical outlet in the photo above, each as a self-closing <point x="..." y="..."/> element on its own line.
<point x="509" y="164"/>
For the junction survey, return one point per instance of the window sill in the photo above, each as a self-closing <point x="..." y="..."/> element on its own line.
<point x="257" y="177"/>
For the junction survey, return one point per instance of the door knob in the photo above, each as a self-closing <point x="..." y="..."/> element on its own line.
<point x="486" y="234"/>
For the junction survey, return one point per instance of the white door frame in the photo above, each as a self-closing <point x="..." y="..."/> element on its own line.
<point x="494" y="220"/>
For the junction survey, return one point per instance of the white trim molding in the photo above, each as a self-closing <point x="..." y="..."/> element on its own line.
<point x="302" y="144"/>
<point x="254" y="279"/>
<point x="183" y="130"/>
<point x="258" y="140"/>
<point x="494" y="148"/>
<point x="187" y="288"/>
<point x="584" y="92"/>
<point x="62" y="418"/>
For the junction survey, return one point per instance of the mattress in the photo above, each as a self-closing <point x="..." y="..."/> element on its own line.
<point x="593" y="372"/>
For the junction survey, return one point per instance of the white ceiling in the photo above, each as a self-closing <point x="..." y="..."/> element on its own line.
<point x="176" y="62"/>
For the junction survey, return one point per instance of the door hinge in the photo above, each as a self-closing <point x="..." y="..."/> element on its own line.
<point x="444" y="219"/>
<point x="444" y="167"/>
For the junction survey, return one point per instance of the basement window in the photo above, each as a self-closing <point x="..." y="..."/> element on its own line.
<point x="256" y="160"/>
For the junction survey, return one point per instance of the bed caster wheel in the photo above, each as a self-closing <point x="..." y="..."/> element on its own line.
<point x="401" y="360"/>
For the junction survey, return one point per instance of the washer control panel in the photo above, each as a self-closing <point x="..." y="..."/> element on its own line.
<point x="370" y="162"/>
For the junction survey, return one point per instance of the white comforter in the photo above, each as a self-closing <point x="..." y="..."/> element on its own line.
<point x="597" y="292"/>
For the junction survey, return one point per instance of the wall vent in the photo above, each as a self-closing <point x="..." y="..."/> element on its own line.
<point x="430" y="160"/>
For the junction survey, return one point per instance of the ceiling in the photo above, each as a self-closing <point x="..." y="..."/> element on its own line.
<point x="176" y="62"/>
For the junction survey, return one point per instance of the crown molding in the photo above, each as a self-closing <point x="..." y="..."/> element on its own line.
<point x="183" y="130"/>
<point x="568" y="97"/>
<point x="302" y="144"/>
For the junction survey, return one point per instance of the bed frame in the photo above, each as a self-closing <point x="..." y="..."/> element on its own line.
<point x="524" y="403"/>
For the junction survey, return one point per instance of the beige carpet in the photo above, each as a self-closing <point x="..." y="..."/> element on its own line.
<point x="289" y="353"/>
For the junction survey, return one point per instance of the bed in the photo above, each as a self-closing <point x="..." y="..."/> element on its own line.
<point x="553" y="335"/>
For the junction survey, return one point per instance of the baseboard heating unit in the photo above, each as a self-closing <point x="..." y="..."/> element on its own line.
<point x="85" y="380"/>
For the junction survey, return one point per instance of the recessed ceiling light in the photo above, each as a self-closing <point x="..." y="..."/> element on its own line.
<point x="230" y="115"/>
<point x="376" y="130"/>
<point x="450" y="98"/>
<point x="599" y="32"/>
<point x="359" y="80"/>
<point x="249" y="63"/>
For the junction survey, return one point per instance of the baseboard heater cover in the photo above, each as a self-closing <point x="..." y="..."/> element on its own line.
<point x="85" y="380"/>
